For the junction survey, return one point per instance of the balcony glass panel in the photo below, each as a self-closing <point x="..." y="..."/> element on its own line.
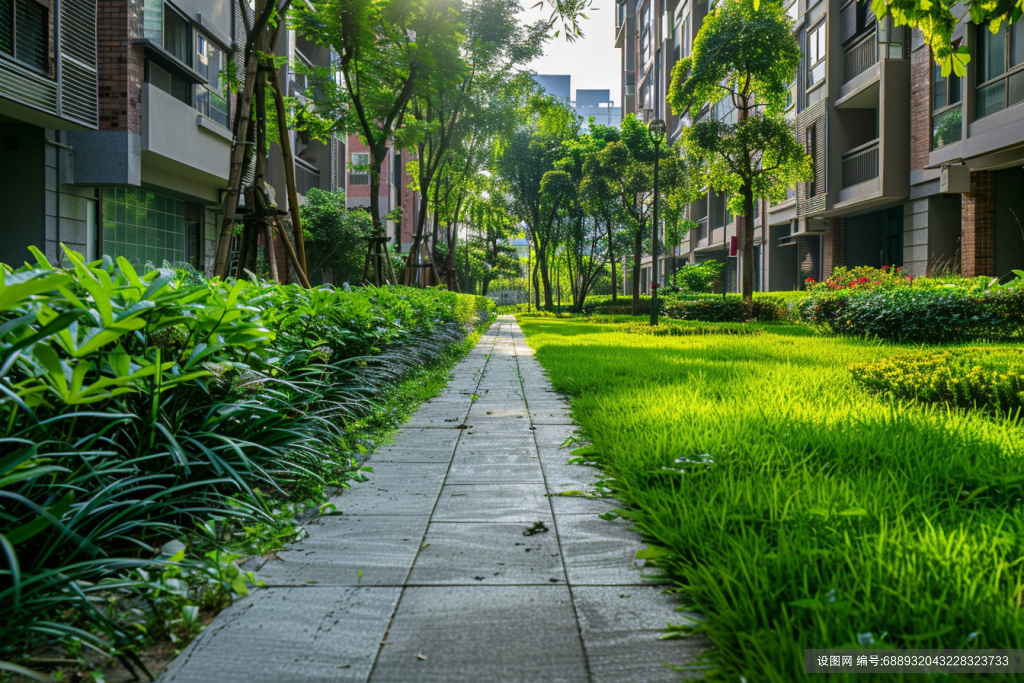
<point x="991" y="98"/>
<point x="947" y="127"/>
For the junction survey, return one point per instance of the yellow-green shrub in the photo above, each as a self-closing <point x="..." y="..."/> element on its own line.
<point x="968" y="378"/>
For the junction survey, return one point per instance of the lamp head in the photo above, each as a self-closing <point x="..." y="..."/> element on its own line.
<point x="656" y="127"/>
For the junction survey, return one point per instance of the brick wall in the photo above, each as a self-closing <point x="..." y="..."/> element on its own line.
<point x="120" y="64"/>
<point x="978" y="226"/>
<point x="920" y="105"/>
<point x="834" y="248"/>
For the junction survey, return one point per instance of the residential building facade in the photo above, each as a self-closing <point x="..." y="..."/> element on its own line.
<point x="115" y="122"/>
<point x="910" y="169"/>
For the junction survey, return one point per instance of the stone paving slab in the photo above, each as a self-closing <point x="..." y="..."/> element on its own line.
<point x="467" y="553"/>
<point x="492" y="503"/>
<point x="350" y="551"/>
<point x="472" y="634"/>
<point x="426" y="573"/>
<point x="620" y="627"/>
<point x="298" y="635"/>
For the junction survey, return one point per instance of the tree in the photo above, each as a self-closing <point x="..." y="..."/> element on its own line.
<point x="260" y="69"/>
<point x="747" y="56"/>
<point x="475" y="84"/>
<point x="336" y="236"/>
<point x="382" y="48"/>
<point x="937" y="20"/>
<point x="522" y="162"/>
<point x="678" y="186"/>
<point x="626" y="171"/>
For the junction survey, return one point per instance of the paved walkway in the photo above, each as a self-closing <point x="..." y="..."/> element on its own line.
<point x="434" y="571"/>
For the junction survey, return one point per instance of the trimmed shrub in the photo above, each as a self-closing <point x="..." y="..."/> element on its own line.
<point x="684" y="329"/>
<point x="913" y="314"/>
<point x="698" y="277"/>
<point x="986" y="379"/>
<point x="864" y="277"/>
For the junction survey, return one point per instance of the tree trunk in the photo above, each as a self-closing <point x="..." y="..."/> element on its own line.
<point x="230" y="204"/>
<point x="284" y="139"/>
<point x="536" y="285"/>
<point x="545" y="275"/>
<point x="611" y="260"/>
<point x="747" y="249"/>
<point x="638" y="247"/>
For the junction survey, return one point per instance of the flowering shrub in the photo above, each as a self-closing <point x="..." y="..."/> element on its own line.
<point x="861" y="277"/>
<point x="986" y="379"/>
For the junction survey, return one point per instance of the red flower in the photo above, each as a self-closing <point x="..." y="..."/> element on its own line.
<point x="885" y="267"/>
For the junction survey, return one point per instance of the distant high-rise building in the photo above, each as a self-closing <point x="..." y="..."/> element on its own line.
<point x="556" y="86"/>
<point x="596" y="104"/>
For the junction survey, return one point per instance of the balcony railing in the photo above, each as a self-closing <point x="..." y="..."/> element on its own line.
<point x="947" y="127"/>
<point x="859" y="57"/>
<point x="860" y="164"/>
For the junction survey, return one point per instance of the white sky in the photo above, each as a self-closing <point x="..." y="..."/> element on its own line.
<point x="593" y="60"/>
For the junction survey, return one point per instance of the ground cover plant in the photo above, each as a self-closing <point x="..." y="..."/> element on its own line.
<point x="162" y="417"/>
<point x="974" y="378"/>
<point x="792" y="507"/>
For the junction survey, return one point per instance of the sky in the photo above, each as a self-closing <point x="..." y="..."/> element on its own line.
<point x="593" y="60"/>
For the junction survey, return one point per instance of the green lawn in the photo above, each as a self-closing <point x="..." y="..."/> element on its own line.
<point x="797" y="510"/>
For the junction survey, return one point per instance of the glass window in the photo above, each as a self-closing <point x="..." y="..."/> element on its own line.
<point x="1000" y="68"/>
<point x="210" y="99"/>
<point x="176" y="35"/>
<point x="170" y="84"/>
<point x="359" y="176"/>
<point x="816" y="54"/>
<point x="25" y="33"/>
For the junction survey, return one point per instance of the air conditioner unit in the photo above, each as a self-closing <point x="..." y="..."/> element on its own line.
<point x="955" y="179"/>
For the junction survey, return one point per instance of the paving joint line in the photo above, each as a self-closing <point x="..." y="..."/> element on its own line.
<point x="554" y="518"/>
<point x="426" y="528"/>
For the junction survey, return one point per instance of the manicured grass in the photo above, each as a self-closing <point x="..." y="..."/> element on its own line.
<point x="797" y="510"/>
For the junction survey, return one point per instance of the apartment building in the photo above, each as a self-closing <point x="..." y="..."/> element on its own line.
<point x="48" y="81"/>
<point x="589" y="104"/>
<point x="115" y="119"/>
<point x="911" y="169"/>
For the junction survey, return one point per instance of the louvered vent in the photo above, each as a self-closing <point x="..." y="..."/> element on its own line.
<point x="811" y="126"/>
<point x="7" y="27"/>
<point x="32" y="43"/>
<point x="78" y="61"/>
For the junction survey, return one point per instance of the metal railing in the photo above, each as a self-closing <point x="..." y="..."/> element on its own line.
<point x="860" y="164"/>
<point x="859" y="57"/>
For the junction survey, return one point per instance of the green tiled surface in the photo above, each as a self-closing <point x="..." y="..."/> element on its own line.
<point x="142" y="226"/>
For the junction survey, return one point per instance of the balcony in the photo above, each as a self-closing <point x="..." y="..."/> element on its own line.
<point x="860" y="165"/>
<point x="859" y="57"/>
<point x="178" y="138"/>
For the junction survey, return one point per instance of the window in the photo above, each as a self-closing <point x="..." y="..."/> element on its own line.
<point x="359" y="175"/>
<point x="1000" y="68"/>
<point x="681" y="33"/>
<point x="25" y="33"/>
<point x="646" y="51"/>
<point x="946" y="112"/>
<point x="210" y="100"/>
<point x="816" y="54"/>
<point x="164" y="80"/>
<point x="176" y="36"/>
<point x="791" y="10"/>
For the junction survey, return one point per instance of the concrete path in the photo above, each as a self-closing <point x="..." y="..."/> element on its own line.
<point x="452" y="563"/>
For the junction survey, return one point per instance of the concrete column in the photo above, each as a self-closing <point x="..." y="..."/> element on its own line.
<point x="977" y="226"/>
<point x="834" y="251"/>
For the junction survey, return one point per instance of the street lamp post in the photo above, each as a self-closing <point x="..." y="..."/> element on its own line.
<point x="657" y="129"/>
